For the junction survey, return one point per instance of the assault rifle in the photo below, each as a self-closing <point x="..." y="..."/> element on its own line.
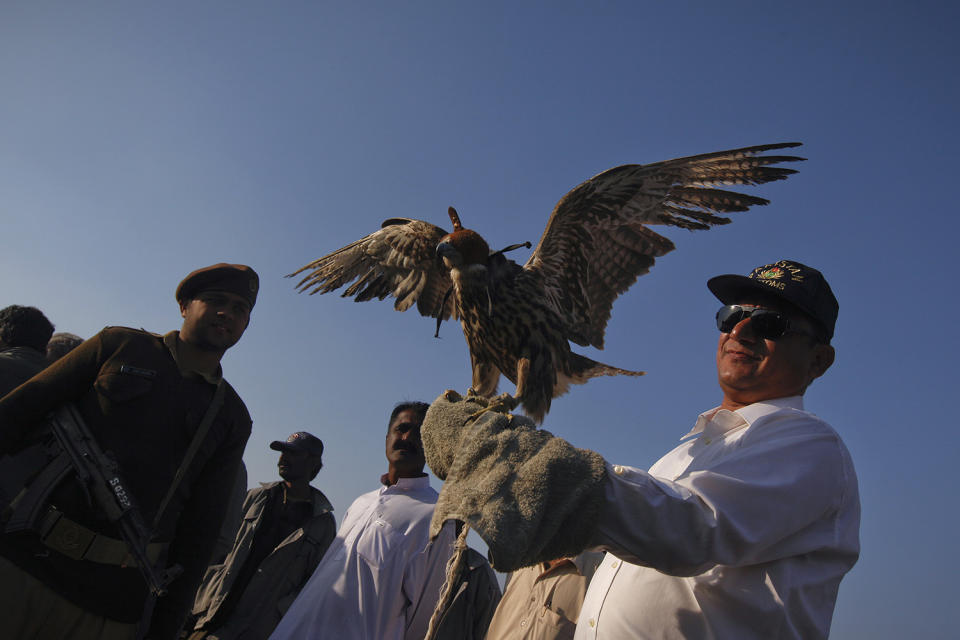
<point x="77" y="450"/>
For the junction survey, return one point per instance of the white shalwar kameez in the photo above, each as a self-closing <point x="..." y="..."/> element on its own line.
<point x="380" y="579"/>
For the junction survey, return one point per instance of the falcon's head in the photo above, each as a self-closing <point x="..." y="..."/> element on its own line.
<point x="462" y="248"/>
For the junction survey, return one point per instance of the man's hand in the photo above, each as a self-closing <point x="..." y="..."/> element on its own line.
<point x="531" y="496"/>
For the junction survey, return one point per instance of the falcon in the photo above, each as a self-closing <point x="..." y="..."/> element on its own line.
<point x="519" y="320"/>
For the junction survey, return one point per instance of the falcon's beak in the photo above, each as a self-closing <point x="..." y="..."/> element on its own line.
<point x="449" y="255"/>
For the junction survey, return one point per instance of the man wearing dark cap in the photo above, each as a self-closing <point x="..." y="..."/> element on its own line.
<point x="147" y="399"/>
<point x="747" y="527"/>
<point x="24" y="332"/>
<point x="286" y="528"/>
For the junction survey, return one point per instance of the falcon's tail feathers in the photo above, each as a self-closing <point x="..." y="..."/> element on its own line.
<point x="583" y="368"/>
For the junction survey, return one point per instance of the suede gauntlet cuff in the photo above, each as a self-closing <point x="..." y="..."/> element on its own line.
<point x="531" y="496"/>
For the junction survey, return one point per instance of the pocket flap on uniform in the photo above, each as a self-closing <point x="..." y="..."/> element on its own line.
<point x="121" y="387"/>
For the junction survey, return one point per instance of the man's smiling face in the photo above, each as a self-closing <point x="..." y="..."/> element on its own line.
<point x="751" y="369"/>
<point x="214" y="320"/>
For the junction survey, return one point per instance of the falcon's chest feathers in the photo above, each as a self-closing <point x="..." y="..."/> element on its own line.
<point x="504" y="318"/>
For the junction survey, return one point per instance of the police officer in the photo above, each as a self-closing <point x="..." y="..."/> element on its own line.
<point x="144" y="398"/>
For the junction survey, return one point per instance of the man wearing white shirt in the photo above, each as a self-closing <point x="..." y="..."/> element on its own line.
<point x="743" y="531"/>
<point x="381" y="577"/>
<point x="746" y="529"/>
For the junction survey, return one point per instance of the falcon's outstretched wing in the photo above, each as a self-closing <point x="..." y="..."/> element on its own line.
<point x="597" y="243"/>
<point x="399" y="260"/>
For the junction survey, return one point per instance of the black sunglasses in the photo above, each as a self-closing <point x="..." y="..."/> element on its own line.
<point x="765" y="323"/>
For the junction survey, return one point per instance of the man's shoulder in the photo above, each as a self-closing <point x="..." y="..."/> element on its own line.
<point x="17" y="365"/>
<point x="793" y="418"/>
<point x="28" y="354"/>
<point x="22" y="359"/>
<point x="231" y="395"/>
<point x="795" y="429"/>
<point x="118" y="331"/>
<point x="321" y="504"/>
<point x="264" y="487"/>
<point x="117" y="336"/>
<point x="234" y="403"/>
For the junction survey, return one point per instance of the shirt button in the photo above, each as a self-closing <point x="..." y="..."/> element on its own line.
<point x="523" y="623"/>
<point x="593" y="622"/>
<point x="615" y="564"/>
<point x="617" y="469"/>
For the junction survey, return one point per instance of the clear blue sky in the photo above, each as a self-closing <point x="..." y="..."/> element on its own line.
<point x="139" y="142"/>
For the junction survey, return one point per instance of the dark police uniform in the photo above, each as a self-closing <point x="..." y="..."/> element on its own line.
<point x="141" y="407"/>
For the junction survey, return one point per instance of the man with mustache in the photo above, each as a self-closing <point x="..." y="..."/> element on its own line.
<point x="381" y="577"/>
<point x="148" y="400"/>
<point x="744" y="530"/>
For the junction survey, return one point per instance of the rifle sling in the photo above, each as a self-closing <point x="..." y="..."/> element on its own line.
<point x="198" y="438"/>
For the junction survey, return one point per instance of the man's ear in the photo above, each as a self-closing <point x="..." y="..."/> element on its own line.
<point x="823" y="356"/>
<point x="183" y="307"/>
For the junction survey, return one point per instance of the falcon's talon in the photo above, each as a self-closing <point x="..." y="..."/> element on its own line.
<point x="476" y="397"/>
<point x="474" y="416"/>
<point x="504" y="403"/>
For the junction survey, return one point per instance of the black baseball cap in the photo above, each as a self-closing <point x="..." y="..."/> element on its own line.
<point x="300" y="441"/>
<point x="801" y="286"/>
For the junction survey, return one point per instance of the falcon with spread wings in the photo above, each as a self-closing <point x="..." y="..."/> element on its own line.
<point x="518" y="321"/>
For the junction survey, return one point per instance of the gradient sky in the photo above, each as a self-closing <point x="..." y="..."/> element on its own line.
<point x="140" y="142"/>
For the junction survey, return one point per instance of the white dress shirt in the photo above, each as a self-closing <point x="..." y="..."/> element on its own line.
<point x="742" y="531"/>
<point x="380" y="579"/>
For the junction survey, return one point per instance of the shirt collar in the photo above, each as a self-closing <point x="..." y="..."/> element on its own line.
<point x="586" y="563"/>
<point x="170" y="340"/>
<point x="718" y="421"/>
<point x="407" y="484"/>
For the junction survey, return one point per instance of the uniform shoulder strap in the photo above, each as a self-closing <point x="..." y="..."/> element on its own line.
<point x="198" y="438"/>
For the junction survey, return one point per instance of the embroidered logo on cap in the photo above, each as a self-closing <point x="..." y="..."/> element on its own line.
<point x="769" y="274"/>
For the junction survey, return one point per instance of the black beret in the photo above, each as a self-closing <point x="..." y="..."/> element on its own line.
<point x="233" y="278"/>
